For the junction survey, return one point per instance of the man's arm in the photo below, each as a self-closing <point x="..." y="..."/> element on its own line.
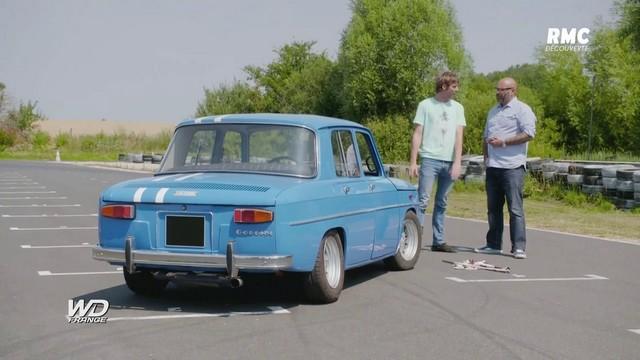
<point x="416" y="141"/>
<point x="519" y="138"/>
<point x="457" y="157"/>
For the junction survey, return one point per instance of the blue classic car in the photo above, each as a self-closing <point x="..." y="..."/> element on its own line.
<point x="260" y="193"/>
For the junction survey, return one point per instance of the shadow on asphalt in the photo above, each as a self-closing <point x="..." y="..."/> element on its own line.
<point x="258" y="292"/>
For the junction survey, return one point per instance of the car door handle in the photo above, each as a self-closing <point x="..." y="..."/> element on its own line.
<point x="372" y="187"/>
<point x="346" y="189"/>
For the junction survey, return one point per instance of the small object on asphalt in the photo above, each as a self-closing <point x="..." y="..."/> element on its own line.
<point x="471" y="264"/>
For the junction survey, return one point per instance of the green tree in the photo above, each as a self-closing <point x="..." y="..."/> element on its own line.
<point x="392" y="50"/>
<point x="237" y="98"/>
<point x="629" y="25"/>
<point x="616" y="125"/>
<point x="24" y="117"/>
<point x="297" y="81"/>
<point x="565" y="93"/>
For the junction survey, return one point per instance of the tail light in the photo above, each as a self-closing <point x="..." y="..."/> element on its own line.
<point x="118" y="211"/>
<point x="252" y="216"/>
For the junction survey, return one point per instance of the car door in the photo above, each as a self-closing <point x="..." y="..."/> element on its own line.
<point x="352" y="198"/>
<point x="381" y="197"/>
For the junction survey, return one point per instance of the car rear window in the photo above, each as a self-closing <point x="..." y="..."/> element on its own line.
<point x="255" y="148"/>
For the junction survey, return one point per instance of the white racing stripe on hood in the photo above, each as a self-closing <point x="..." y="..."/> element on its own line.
<point x="160" y="195"/>
<point x="188" y="176"/>
<point x="137" y="197"/>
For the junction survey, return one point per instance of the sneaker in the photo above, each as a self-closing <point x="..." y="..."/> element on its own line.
<point x="519" y="254"/>
<point x="443" y="248"/>
<point x="487" y="250"/>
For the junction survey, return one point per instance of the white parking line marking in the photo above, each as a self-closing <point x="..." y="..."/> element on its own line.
<point x="22" y="187"/>
<point x="49" y="273"/>
<point x="137" y="197"/>
<point x="34" y="198"/>
<point x="273" y="310"/>
<point x="160" y="195"/>
<point x="586" y="277"/>
<point x="47" y="215"/>
<point x="28" y="192"/>
<point x="39" y="205"/>
<point x="19" y="183"/>
<point x="635" y="331"/>
<point x="83" y="245"/>
<point x="55" y="228"/>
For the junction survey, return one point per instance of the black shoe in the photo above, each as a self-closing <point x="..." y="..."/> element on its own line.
<point x="443" y="248"/>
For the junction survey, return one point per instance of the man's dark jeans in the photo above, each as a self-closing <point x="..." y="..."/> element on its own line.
<point x="509" y="184"/>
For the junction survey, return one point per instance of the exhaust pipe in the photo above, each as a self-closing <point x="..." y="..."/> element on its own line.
<point x="235" y="282"/>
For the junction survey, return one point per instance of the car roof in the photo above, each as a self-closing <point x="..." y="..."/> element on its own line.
<point x="312" y="121"/>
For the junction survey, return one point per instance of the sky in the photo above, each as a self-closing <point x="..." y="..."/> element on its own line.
<point x="150" y="60"/>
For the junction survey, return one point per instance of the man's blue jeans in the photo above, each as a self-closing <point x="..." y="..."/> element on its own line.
<point x="509" y="184"/>
<point x="430" y="170"/>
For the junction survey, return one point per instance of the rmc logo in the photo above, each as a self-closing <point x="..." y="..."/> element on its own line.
<point x="561" y="39"/>
<point x="92" y="311"/>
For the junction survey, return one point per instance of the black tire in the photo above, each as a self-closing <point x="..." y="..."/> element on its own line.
<point x="324" y="283"/>
<point x="408" y="251"/>
<point x="144" y="283"/>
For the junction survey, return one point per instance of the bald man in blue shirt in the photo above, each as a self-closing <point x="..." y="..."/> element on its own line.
<point x="510" y="125"/>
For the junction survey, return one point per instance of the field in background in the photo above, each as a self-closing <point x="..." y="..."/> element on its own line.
<point x="108" y="127"/>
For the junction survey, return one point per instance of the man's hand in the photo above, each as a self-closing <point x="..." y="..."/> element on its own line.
<point x="455" y="171"/>
<point x="413" y="170"/>
<point x="496" y="142"/>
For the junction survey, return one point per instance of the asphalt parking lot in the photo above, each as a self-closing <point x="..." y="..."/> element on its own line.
<point x="573" y="298"/>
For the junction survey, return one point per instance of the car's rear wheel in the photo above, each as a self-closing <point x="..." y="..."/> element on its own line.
<point x="408" y="251"/>
<point x="325" y="282"/>
<point x="144" y="283"/>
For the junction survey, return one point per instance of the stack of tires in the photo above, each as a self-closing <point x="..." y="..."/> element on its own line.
<point x="636" y="187"/>
<point x="548" y="171"/>
<point x="625" y="189"/>
<point x="562" y="174"/>
<point x="475" y="171"/>
<point x="610" y="182"/>
<point x="575" y="176"/>
<point x="534" y="167"/>
<point x="592" y="179"/>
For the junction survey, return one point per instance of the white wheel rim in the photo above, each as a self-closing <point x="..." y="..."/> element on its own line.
<point x="332" y="263"/>
<point x="409" y="240"/>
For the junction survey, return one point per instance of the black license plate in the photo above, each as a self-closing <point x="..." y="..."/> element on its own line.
<point x="185" y="231"/>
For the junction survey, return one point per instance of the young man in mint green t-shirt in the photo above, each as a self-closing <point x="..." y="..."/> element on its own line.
<point x="437" y="137"/>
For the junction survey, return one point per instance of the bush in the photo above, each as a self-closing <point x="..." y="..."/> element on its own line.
<point x="62" y="140"/>
<point x="41" y="140"/>
<point x="7" y="138"/>
<point x="393" y="137"/>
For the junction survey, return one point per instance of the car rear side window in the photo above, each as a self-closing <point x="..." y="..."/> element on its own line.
<point x="344" y="154"/>
<point x="365" y="146"/>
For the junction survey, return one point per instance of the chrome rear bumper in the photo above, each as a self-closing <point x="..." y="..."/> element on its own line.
<point x="209" y="261"/>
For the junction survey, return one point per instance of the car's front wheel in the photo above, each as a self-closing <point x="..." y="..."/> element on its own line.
<point x="144" y="283"/>
<point x="408" y="251"/>
<point x="325" y="282"/>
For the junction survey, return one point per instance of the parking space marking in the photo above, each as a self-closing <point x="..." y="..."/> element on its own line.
<point x="22" y="187"/>
<point x="47" y="215"/>
<point x="55" y="228"/>
<point x="586" y="277"/>
<point x="34" y="198"/>
<point x="273" y="310"/>
<point x="28" y="192"/>
<point x="40" y="205"/>
<point x="18" y="183"/>
<point x="83" y="245"/>
<point x="49" y="273"/>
